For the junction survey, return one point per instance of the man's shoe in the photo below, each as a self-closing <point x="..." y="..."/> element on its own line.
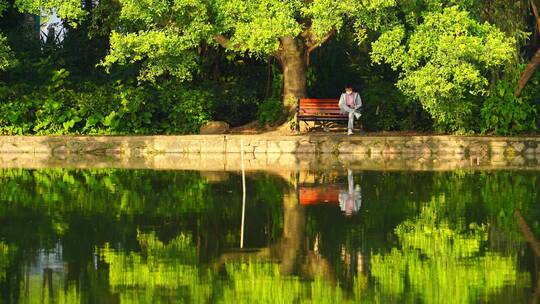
<point x="349" y="132"/>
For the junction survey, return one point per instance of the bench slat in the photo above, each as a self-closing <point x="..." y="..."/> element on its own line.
<point x="320" y="108"/>
<point x="322" y="114"/>
<point x="333" y="102"/>
<point x="316" y="103"/>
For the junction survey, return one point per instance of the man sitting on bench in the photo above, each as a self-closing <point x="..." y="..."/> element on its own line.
<point x="350" y="103"/>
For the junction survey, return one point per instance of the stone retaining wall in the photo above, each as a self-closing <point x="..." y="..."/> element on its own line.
<point x="272" y="162"/>
<point x="362" y="146"/>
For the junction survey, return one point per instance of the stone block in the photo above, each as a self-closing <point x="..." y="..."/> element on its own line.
<point x="272" y="147"/>
<point x="192" y="147"/>
<point x="287" y="146"/>
<point x="498" y="143"/>
<point x="213" y="146"/>
<point x="518" y="146"/>
<point x="517" y="161"/>
<point x="328" y="147"/>
<point x="529" y="151"/>
<point x="497" y="151"/>
<point x="348" y="148"/>
<point x="306" y="147"/>
<point x="391" y="150"/>
<point x="260" y="148"/>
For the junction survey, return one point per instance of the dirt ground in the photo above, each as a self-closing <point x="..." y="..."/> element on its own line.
<point x="333" y="128"/>
<point x="314" y="128"/>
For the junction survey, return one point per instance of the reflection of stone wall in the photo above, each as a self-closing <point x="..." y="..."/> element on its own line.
<point x="262" y="162"/>
<point x="168" y="153"/>
<point x="374" y="146"/>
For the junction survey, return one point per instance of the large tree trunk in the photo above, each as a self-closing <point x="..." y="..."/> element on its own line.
<point x="292" y="57"/>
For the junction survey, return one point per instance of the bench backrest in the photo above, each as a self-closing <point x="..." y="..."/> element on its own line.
<point x="319" y="106"/>
<point x="313" y="195"/>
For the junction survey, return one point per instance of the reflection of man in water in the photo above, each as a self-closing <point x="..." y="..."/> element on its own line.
<point x="350" y="201"/>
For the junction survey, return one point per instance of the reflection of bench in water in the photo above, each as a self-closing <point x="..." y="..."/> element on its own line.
<point x="322" y="194"/>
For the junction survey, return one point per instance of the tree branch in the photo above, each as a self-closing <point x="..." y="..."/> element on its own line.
<point x="223" y="41"/>
<point x="535" y="60"/>
<point x="313" y="45"/>
<point x="527" y="233"/>
<point x="536" y="13"/>
<point x="528" y="73"/>
<point x="317" y="44"/>
<point x="536" y="16"/>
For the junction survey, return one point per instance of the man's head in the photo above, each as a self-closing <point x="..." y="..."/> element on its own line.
<point x="348" y="88"/>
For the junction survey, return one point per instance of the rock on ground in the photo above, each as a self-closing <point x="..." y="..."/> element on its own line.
<point x="215" y="127"/>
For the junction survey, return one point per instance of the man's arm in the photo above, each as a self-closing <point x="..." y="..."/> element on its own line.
<point x="343" y="104"/>
<point x="358" y="101"/>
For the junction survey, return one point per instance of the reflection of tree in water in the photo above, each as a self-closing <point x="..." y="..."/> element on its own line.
<point x="159" y="269"/>
<point x="6" y="257"/>
<point x="312" y="254"/>
<point x="442" y="262"/>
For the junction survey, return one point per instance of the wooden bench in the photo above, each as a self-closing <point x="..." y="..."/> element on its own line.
<point x="325" y="110"/>
<point x="317" y="195"/>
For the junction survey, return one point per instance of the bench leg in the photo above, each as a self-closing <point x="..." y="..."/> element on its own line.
<point x="297" y="126"/>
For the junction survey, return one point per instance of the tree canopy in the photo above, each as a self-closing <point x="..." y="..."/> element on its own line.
<point x="444" y="61"/>
<point x="422" y="65"/>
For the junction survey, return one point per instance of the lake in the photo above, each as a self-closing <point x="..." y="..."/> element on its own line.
<point x="321" y="236"/>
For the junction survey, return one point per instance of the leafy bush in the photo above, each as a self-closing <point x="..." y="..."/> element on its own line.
<point x="505" y="114"/>
<point x="59" y="108"/>
<point x="234" y="103"/>
<point x="385" y="108"/>
<point x="270" y="112"/>
<point x="182" y="110"/>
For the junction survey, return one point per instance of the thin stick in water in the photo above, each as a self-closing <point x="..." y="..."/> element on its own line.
<point x="243" y="193"/>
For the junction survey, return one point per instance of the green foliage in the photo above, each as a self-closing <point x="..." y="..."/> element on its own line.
<point x="505" y="114"/>
<point x="6" y="257"/>
<point x="531" y="92"/>
<point x="68" y="9"/>
<point x="68" y="190"/>
<point x="159" y="266"/>
<point x="385" y="108"/>
<point x="444" y="63"/>
<point x="89" y="109"/>
<point x="6" y="56"/>
<point x="270" y="112"/>
<point x="233" y="102"/>
<point x="158" y="237"/>
<point x="164" y="50"/>
<point x="140" y="277"/>
<point x="261" y="282"/>
<point x="438" y="260"/>
<point x="445" y="58"/>
<point x="182" y="110"/>
<point x="164" y="35"/>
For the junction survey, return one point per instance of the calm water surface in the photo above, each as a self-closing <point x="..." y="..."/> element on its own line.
<point x="143" y="236"/>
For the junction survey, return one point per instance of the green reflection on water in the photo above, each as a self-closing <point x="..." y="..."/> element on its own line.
<point x="6" y="256"/>
<point x="158" y="270"/>
<point x="443" y="261"/>
<point x="142" y="236"/>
